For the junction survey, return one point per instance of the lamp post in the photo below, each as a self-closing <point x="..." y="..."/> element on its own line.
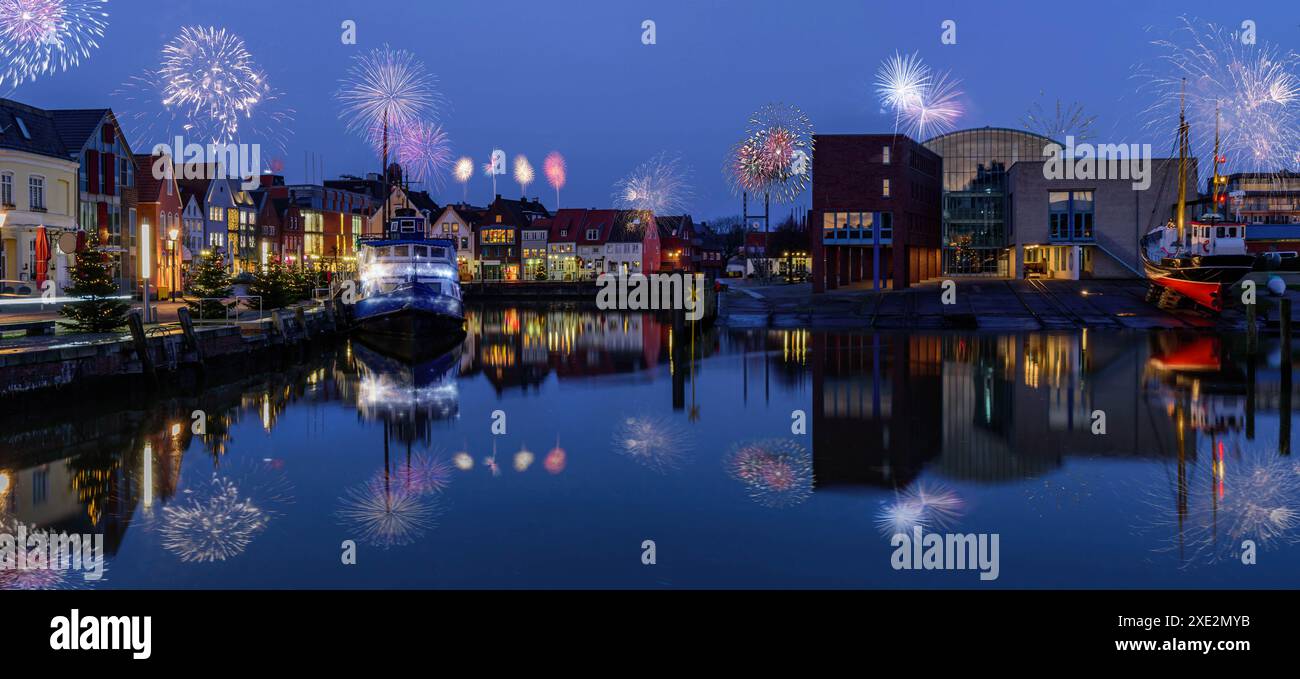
<point x="172" y="235"/>
<point x="145" y="251"/>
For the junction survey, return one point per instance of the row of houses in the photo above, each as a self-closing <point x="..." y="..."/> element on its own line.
<point x="67" y="174"/>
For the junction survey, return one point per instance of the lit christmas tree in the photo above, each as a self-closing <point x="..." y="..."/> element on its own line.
<point x="98" y="310"/>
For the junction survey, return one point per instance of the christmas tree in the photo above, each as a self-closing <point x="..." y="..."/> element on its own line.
<point x="274" y="285"/>
<point x="210" y="283"/>
<point x="92" y="281"/>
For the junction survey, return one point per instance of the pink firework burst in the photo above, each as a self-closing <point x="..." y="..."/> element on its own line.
<point x="421" y="148"/>
<point x="40" y="37"/>
<point x="556" y="173"/>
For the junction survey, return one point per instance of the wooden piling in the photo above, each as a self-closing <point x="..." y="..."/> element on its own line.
<point x="142" y="345"/>
<point x="187" y="329"/>
<point x="301" y="316"/>
<point x="1284" y="410"/>
<point x="1252" y="330"/>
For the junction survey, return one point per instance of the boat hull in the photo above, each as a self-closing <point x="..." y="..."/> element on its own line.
<point x="1203" y="280"/>
<point x="410" y="312"/>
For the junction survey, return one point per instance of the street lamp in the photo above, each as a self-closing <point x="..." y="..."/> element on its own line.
<point x="145" y="251"/>
<point x="172" y="235"/>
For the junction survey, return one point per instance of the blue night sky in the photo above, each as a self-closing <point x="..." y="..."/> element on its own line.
<point x="531" y="77"/>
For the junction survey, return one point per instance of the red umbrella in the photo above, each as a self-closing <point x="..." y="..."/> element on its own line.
<point x="42" y="255"/>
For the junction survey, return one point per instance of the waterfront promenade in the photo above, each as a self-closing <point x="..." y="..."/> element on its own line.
<point x="978" y="304"/>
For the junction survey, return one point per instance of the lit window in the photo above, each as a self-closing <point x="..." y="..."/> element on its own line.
<point x="884" y="155"/>
<point x="884" y="188"/>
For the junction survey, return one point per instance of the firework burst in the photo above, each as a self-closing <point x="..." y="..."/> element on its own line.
<point x="775" y="155"/>
<point x="463" y="172"/>
<point x="42" y="37"/>
<point x="652" y="442"/>
<point x="387" y="514"/>
<point x="207" y="88"/>
<point x="387" y="87"/>
<point x="927" y="103"/>
<point x="1065" y="120"/>
<point x="423" y="474"/>
<point x="216" y="522"/>
<point x="1255" y="496"/>
<point x="1255" y="90"/>
<point x="556" y="173"/>
<point x="660" y="186"/>
<point x="523" y="173"/>
<point x="777" y="472"/>
<point x="421" y="148"/>
<point x="921" y="505"/>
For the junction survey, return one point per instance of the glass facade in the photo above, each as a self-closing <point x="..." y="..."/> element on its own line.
<point x="975" y="164"/>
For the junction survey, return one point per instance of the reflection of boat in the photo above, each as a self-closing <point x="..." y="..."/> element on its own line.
<point x="410" y="289"/>
<point x="412" y="392"/>
<point x="1195" y="262"/>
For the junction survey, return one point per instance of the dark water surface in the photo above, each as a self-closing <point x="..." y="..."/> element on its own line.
<point x="619" y="431"/>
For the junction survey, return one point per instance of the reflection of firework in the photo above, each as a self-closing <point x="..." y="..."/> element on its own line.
<point x="1255" y="89"/>
<point x="207" y="88"/>
<point x="920" y="505"/>
<point x="523" y="172"/>
<point x="386" y="87"/>
<point x="423" y="474"/>
<point x="927" y="102"/>
<point x="215" y="522"/>
<point x="421" y="148"/>
<point x="387" y="514"/>
<point x="1255" y="496"/>
<point x="37" y="573"/>
<point x="660" y="185"/>
<point x="39" y="37"/>
<point x="1065" y="120"/>
<point x="652" y="442"/>
<point x="776" y="472"/>
<point x="776" y="154"/>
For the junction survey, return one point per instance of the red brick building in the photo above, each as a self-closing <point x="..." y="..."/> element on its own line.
<point x="876" y="206"/>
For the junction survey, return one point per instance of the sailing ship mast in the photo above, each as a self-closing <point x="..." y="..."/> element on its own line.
<point x="1217" y="181"/>
<point x="1183" y="141"/>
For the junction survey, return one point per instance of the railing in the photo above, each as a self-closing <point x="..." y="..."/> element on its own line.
<point x="231" y="310"/>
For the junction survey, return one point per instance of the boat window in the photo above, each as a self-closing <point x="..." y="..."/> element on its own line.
<point x="438" y="252"/>
<point x="1232" y="232"/>
<point x="408" y="225"/>
<point x="386" y="251"/>
<point x="420" y="250"/>
<point x="401" y="251"/>
<point x="1220" y="232"/>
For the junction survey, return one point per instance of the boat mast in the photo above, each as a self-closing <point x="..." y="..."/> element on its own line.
<point x="1182" y="164"/>
<point x="1217" y="180"/>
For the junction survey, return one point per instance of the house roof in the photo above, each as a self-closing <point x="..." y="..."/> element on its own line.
<point x="45" y="138"/>
<point x="149" y="188"/>
<point x="422" y="201"/>
<point x="602" y="221"/>
<point x="565" y="225"/>
<point x="198" y="188"/>
<point x="629" y="227"/>
<point x="674" y="225"/>
<point x="76" y="125"/>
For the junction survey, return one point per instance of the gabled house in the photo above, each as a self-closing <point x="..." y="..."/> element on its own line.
<point x="194" y="219"/>
<point x="499" y="235"/>
<point x="291" y="232"/>
<point x="562" y="244"/>
<point x="230" y="220"/>
<point x="457" y="221"/>
<point x="593" y="235"/>
<point x="680" y="245"/>
<point x="37" y="201"/>
<point x="533" y="251"/>
<point x="633" y="246"/>
<point x="106" y="185"/>
<point x="268" y="227"/>
<point x="158" y="205"/>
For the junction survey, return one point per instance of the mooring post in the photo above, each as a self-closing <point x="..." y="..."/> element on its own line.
<point x="301" y="317"/>
<point x="187" y="328"/>
<point x="1284" y="410"/>
<point x="141" y="345"/>
<point x="1252" y="330"/>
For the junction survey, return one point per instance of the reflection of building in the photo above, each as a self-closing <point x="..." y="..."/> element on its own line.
<point x="984" y="407"/>
<point x="976" y="238"/>
<point x="1086" y="228"/>
<point x="875" y="211"/>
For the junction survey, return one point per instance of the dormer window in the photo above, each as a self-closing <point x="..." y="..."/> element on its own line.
<point x="22" y="127"/>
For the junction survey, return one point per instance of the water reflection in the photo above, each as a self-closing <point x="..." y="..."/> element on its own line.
<point x="904" y="430"/>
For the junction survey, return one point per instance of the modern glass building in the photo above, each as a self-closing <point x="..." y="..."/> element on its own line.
<point x="976" y="237"/>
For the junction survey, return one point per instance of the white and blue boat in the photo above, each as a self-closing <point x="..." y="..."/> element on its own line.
<point x="410" y="286"/>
